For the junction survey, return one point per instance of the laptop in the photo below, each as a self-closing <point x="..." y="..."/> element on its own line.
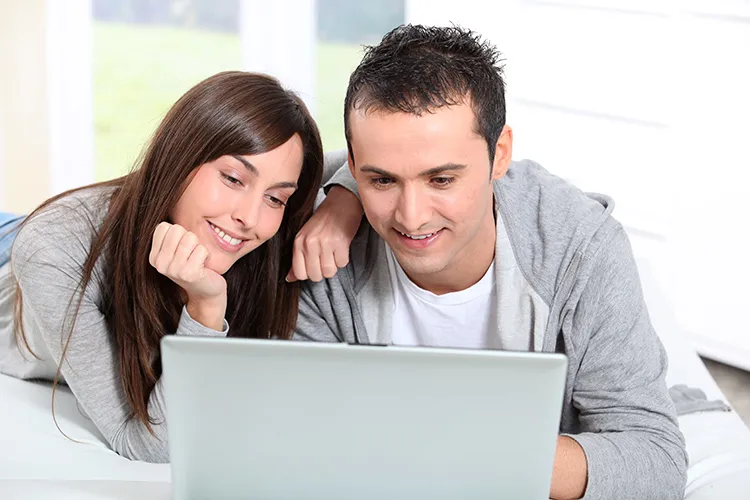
<point x="288" y="420"/>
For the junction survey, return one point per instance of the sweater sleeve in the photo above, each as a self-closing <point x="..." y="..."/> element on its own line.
<point x="337" y="173"/>
<point x="47" y="260"/>
<point x="311" y="321"/>
<point x="631" y="439"/>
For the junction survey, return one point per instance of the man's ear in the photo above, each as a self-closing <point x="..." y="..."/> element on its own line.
<point x="503" y="153"/>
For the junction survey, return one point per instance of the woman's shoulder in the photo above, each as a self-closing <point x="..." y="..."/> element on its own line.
<point x="86" y="203"/>
<point x="64" y="227"/>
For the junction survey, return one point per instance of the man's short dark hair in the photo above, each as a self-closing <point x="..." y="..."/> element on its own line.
<point x="417" y="69"/>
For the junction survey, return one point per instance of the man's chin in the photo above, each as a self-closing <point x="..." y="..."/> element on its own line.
<point x="416" y="266"/>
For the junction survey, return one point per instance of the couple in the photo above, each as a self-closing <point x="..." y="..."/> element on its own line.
<point x="461" y="247"/>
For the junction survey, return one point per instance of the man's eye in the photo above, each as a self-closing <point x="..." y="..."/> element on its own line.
<point x="442" y="181"/>
<point x="381" y="181"/>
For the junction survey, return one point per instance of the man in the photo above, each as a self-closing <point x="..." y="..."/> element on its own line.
<point x="465" y="248"/>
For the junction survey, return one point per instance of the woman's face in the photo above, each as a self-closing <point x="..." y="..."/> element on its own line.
<point x="236" y="203"/>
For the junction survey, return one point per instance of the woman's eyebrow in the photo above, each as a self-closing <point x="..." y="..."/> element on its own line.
<point x="250" y="167"/>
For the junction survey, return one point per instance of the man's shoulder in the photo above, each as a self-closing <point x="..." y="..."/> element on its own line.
<point x="548" y="221"/>
<point x="528" y="180"/>
<point x="367" y="249"/>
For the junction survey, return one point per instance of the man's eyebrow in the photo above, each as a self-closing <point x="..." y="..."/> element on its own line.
<point x="447" y="167"/>
<point x="247" y="164"/>
<point x="375" y="170"/>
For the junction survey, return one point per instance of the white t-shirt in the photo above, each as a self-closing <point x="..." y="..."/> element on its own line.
<point x="466" y="318"/>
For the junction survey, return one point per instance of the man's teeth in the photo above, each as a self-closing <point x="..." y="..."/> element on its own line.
<point x="420" y="237"/>
<point x="224" y="236"/>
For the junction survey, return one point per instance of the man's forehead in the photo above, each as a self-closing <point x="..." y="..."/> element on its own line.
<point x="457" y="121"/>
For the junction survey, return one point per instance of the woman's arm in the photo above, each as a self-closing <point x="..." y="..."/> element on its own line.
<point x="48" y="256"/>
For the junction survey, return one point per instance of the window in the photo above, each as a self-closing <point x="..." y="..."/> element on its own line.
<point x="148" y="53"/>
<point x="343" y="27"/>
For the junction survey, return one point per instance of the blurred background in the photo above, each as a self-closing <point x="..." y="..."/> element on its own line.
<point x="644" y="100"/>
<point x="148" y="53"/>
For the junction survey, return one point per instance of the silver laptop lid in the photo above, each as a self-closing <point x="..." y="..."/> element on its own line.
<point x="295" y="420"/>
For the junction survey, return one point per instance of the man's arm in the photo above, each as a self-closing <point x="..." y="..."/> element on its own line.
<point x="311" y="322"/>
<point x="321" y="247"/>
<point x="337" y="172"/>
<point x="630" y="437"/>
<point x="570" y="471"/>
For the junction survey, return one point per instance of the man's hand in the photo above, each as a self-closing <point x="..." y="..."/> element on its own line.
<point x="570" y="472"/>
<point x="176" y="254"/>
<point x="321" y="247"/>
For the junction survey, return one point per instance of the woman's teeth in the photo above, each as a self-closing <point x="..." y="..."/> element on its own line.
<point x="224" y="236"/>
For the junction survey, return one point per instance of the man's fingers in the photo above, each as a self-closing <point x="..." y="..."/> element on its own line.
<point x="298" y="261"/>
<point x="328" y="263"/>
<point x="341" y="256"/>
<point x="316" y="258"/>
<point x="290" y="277"/>
<point x="313" y="253"/>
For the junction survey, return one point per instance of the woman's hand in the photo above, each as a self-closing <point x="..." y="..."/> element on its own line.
<point x="322" y="246"/>
<point x="177" y="254"/>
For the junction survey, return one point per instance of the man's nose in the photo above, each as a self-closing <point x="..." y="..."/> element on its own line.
<point x="412" y="211"/>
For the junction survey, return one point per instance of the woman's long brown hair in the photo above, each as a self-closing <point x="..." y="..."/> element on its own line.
<point x="231" y="113"/>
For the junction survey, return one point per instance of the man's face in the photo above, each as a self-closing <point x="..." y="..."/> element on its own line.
<point x="425" y="185"/>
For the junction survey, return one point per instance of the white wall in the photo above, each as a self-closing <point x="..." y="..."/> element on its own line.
<point x="23" y="102"/>
<point x="648" y="102"/>
<point x="712" y="124"/>
<point x="45" y="100"/>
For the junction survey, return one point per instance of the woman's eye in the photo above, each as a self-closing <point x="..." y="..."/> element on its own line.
<point x="231" y="180"/>
<point x="276" y="202"/>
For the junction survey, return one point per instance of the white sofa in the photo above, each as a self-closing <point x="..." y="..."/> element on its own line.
<point x="718" y="443"/>
<point x="38" y="462"/>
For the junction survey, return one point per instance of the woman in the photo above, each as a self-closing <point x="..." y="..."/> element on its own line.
<point x="196" y="241"/>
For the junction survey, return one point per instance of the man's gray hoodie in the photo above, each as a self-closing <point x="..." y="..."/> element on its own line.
<point x="566" y="279"/>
